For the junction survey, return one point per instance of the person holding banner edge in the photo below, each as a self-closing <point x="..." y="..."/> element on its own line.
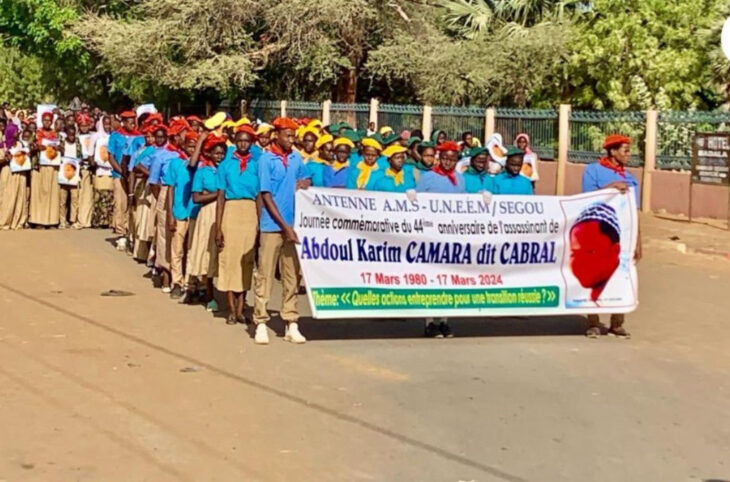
<point x="610" y="173"/>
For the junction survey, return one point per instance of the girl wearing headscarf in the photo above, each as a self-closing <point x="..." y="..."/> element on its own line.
<point x="236" y="222"/>
<point x="101" y="216"/>
<point x="362" y="173"/>
<point x="45" y="192"/>
<point x="425" y="159"/>
<point x="322" y="162"/>
<point x="263" y="135"/>
<point x="438" y="137"/>
<point x="202" y="264"/>
<point x="308" y="139"/>
<point x="530" y="159"/>
<point x="14" y="186"/>
<point x="69" y="195"/>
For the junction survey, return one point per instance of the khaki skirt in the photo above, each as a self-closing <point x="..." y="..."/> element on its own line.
<point x="86" y="199"/>
<point x="13" y="198"/>
<point x="143" y="199"/>
<point x="203" y="254"/>
<point x="235" y="260"/>
<point x="162" y="237"/>
<point x="45" y="196"/>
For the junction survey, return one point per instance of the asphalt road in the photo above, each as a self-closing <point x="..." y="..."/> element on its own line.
<point x="140" y="388"/>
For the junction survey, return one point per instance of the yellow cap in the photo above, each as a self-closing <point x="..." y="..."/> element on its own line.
<point x="323" y="140"/>
<point x="385" y="130"/>
<point x="315" y="123"/>
<point x="393" y="150"/>
<point x="241" y="121"/>
<point x="264" y="128"/>
<point x="344" y="141"/>
<point x="215" y="120"/>
<point x="370" y="142"/>
<point x="306" y="130"/>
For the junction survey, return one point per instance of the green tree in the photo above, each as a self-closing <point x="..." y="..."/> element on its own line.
<point x="639" y="54"/>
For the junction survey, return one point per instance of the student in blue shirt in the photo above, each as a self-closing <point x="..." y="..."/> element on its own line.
<point x="610" y="173"/>
<point x="180" y="213"/>
<point x="510" y="181"/>
<point x="395" y="178"/>
<point x="142" y="198"/>
<point x="158" y="168"/>
<point x="443" y="178"/>
<point x="208" y="152"/>
<point x="119" y="159"/>
<point x="281" y="172"/>
<point x="337" y="174"/>
<point x="361" y="173"/>
<point x="321" y="163"/>
<point x="476" y="177"/>
<point x="236" y="221"/>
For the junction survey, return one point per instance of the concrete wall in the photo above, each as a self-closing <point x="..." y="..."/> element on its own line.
<point x="670" y="190"/>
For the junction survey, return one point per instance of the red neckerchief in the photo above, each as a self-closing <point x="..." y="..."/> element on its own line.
<point x="205" y="162"/>
<point x="451" y="175"/>
<point x="43" y="133"/>
<point x="133" y="132"/>
<point x="243" y="160"/>
<point x="280" y="154"/>
<point x="617" y="168"/>
<point x="183" y="155"/>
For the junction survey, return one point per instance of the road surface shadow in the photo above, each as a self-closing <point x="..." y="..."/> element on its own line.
<point x="363" y="329"/>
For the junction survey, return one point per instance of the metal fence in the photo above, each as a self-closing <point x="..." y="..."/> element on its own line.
<point x="588" y="130"/>
<point x="400" y="117"/>
<point x="266" y="110"/>
<point x="357" y="115"/>
<point x="674" y="135"/>
<point x="541" y="125"/>
<point x="299" y="110"/>
<point x="457" y="120"/>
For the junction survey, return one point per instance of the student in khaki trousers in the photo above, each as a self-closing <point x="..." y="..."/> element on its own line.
<point x="281" y="172"/>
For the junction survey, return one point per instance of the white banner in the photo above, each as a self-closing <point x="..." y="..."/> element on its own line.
<point x="377" y="254"/>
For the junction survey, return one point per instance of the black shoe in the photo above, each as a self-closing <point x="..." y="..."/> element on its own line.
<point x="433" y="331"/>
<point x="157" y="281"/>
<point x="176" y="292"/>
<point x="445" y="330"/>
<point x="190" y="298"/>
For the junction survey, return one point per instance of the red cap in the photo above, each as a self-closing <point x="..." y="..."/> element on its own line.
<point x="615" y="140"/>
<point x="83" y="119"/>
<point x="191" y="135"/>
<point x="194" y="118"/>
<point x="47" y="115"/>
<point x="448" y="146"/>
<point x="153" y="117"/>
<point x="176" y="129"/>
<point x="159" y="127"/>
<point x="128" y="114"/>
<point x="281" y="123"/>
<point x="247" y="129"/>
<point x="213" y="140"/>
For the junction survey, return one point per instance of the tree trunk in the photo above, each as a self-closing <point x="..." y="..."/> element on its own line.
<point x="347" y="86"/>
<point x="347" y="92"/>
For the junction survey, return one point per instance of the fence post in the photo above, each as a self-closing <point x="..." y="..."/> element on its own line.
<point x="243" y="107"/>
<point x="427" y="122"/>
<point x="563" y="146"/>
<point x="283" y="108"/>
<point x="489" y="122"/>
<point x="374" y="103"/>
<point x="326" y="107"/>
<point x="649" y="160"/>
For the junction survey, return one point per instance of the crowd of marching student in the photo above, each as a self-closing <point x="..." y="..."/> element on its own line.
<point x="203" y="201"/>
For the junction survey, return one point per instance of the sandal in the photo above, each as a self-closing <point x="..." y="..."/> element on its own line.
<point x="619" y="332"/>
<point x="593" y="332"/>
<point x="231" y="320"/>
